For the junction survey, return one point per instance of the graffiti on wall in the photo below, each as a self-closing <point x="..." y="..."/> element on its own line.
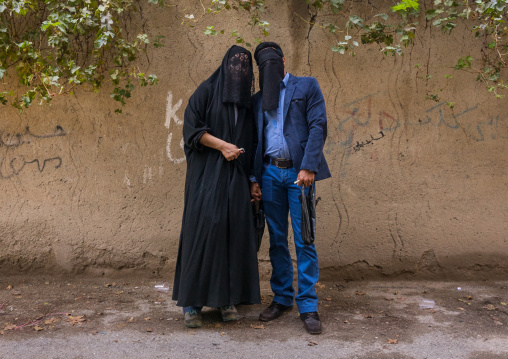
<point x="361" y="144"/>
<point x="171" y="116"/>
<point x="13" y="166"/>
<point x="360" y="113"/>
<point x="18" y="139"/>
<point x="18" y="163"/>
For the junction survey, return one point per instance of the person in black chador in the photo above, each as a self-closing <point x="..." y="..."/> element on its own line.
<point x="217" y="256"/>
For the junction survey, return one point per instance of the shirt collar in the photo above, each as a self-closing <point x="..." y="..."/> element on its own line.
<point x="286" y="79"/>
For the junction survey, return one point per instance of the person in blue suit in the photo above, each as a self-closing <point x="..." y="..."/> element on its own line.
<point x="291" y="128"/>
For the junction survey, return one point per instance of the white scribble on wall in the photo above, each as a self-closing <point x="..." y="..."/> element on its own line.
<point x="126" y="180"/>
<point x="147" y="174"/>
<point x="171" y="115"/>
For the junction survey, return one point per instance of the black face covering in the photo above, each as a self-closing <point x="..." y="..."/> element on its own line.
<point x="271" y="73"/>
<point x="239" y="78"/>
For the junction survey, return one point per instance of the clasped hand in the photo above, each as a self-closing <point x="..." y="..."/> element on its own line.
<point x="255" y="192"/>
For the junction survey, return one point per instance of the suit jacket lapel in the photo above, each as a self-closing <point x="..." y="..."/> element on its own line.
<point x="289" y="94"/>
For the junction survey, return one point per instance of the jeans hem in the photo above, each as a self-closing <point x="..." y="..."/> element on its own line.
<point x="307" y="309"/>
<point x="283" y="301"/>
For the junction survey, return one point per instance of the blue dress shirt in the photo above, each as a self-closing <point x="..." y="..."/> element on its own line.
<point x="273" y="130"/>
<point x="274" y="142"/>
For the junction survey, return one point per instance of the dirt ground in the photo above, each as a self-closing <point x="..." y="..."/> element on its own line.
<point x="53" y="318"/>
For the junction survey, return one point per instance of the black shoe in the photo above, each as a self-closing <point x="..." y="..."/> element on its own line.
<point x="273" y="311"/>
<point x="311" y="322"/>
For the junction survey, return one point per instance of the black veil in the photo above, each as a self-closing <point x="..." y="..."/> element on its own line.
<point x="239" y="78"/>
<point x="269" y="57"/>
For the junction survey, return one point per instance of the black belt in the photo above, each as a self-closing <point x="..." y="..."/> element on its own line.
<point x="279" y="162"/>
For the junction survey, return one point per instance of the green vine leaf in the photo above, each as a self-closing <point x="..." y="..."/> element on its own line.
<point x="70" y="44"/>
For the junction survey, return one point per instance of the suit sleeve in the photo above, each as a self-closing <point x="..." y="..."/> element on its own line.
<point x="316" y="120"/>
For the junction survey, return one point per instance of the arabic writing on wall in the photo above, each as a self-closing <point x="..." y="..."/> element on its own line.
<point x="13" y="166"/>
<point x="360" y="113"/>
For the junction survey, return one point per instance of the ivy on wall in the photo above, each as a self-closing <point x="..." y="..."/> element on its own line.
<point x="396" y="29"/>
<point x="54" y="46"/>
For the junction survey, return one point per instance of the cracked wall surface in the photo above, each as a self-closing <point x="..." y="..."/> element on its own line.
<point x="418" y="188"/>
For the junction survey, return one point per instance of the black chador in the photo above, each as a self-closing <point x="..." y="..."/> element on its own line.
<point x="217" y="259"/>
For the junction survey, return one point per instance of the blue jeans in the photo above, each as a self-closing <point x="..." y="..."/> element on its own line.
<point x="280" y="197"/>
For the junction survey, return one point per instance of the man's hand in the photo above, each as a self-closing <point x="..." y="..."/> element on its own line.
<point x="255" y="192"/>
<point x="305" y="177"/>
<point x="230" y="151"/>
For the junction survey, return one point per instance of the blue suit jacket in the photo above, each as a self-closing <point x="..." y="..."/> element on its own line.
<point x="304" y="127"/>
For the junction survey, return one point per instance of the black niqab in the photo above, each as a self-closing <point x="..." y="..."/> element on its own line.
<point x="217" y="257"/>
<point x="271" y="72"/>
<point x="239" y="78"/>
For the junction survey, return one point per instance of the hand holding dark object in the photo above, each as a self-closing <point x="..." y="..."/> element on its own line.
<point x="305" y="178"/>
<point x="308" y="220"/>
<point x="255" y="192"/>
